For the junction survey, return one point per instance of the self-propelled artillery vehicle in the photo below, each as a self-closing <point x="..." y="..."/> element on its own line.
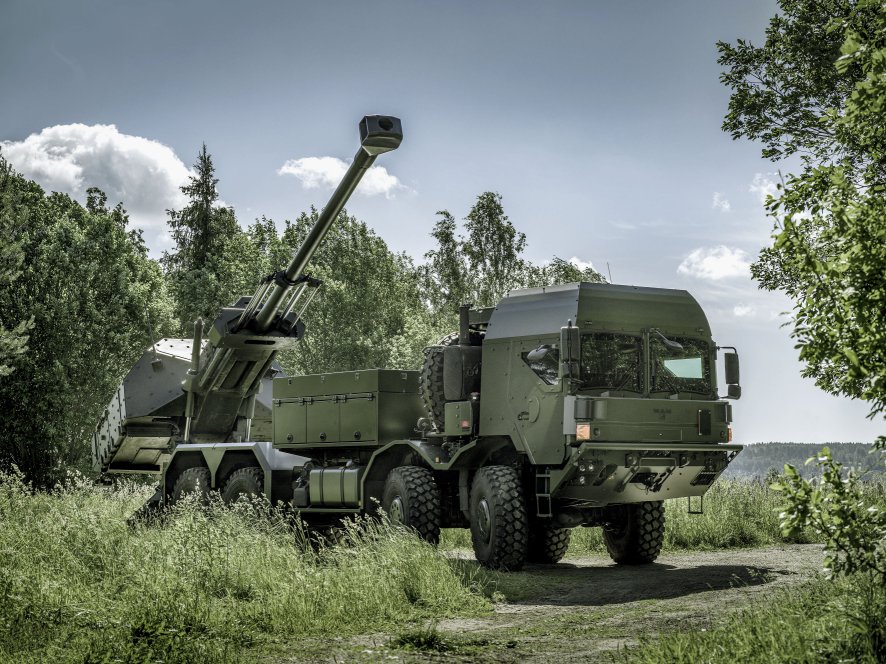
<point x="565" y="406"/>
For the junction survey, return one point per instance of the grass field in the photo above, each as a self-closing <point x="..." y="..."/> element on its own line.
<point x="822" y="621"/>
<point x="77" y="584"/>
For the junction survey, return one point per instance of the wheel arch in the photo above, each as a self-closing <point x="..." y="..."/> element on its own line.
<point x="224" y="458"/>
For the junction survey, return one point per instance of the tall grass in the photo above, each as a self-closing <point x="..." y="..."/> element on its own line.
<point x="78" y="584"/>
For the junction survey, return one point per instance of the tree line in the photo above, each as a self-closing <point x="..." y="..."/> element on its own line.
<point x="81" y="298"/>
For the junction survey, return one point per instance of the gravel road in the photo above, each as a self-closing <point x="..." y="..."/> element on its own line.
<point x="584" y="609"/>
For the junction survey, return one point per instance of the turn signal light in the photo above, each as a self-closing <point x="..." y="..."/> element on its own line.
<point x="582" y="431"/>
<point x="729" y="434"/>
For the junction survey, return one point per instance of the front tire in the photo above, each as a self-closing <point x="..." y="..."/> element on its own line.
<point x="636" y="533"/>
<point x="499" y="523"/>
<point x="411" y="498"/>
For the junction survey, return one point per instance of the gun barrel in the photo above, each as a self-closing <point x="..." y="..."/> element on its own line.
<point x="378" y="134"/>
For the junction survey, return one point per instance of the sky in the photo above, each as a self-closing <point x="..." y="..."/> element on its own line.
<point x="597" y="122"/>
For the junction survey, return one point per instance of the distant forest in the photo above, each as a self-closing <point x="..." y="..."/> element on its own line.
<point x="757" y="460"/>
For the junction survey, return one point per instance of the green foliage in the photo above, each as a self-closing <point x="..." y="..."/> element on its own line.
<point x="817" y="622"/>
<point x="13" y="217"/>
<point x="482" y="265"/>
<point x="782" y="92"/>
<point x="818" y="88"/>
<point x="77" y="584"/>
<point x="369" y="312"/>
<point x="478" y="267"/>
<point x="837" y="509"/>
<point x="88" y="286"/>
<point x="202" y="231"/>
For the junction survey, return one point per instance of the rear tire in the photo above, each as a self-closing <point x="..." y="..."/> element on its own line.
<point x="547" y="544"/>
<point x="244" y="483"/>
<point x="636" y="533"/>
<point x="192" y="481"/>
<point x="499" y="523"/>
<point x="411" y="498"/>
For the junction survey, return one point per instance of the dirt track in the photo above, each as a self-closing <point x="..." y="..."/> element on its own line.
<point x="582" y="609"/>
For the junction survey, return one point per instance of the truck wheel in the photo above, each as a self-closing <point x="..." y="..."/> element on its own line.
<point x="411" y="498"/>
<point x="246" y="483"/>
<point x="430" y="382"/>
<point x="499" y="524"/>
<point x="192" y="480"/>
<point x="547" y="543"/>
<point x="637" y="533"/>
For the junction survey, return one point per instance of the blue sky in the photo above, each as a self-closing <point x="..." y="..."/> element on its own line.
<point x="599" y="123"/>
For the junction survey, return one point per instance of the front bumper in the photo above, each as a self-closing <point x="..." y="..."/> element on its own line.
<point x="598" y="474"/>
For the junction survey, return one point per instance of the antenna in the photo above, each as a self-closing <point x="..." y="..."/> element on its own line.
<point x="609" y="271"/>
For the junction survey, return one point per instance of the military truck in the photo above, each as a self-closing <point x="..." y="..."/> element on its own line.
<point x="572" y="405"/>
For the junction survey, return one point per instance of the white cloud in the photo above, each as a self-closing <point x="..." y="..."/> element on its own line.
<point x="743" y="311"/>
<point x="763" y="186"/>
<point x="327" y="172"/>
<point x="720" y="203"/>
<point x="715" y="263"/>
<point x="144" y="175"/>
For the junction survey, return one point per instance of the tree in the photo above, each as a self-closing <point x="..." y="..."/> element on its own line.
<point x="369" y="311"/>
<point x="478" y="267"/>
<point x="88" y="285"/>
<point x="13" y="217"/>
<point x="816" y="89"/>
<point x="482" y="265"/>
<point x="201" y="230"/>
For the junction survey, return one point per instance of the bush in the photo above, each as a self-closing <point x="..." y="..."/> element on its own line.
<point x="842" y="511"/>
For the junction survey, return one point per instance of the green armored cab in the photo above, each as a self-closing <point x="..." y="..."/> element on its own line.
<point x="581" y="405"/>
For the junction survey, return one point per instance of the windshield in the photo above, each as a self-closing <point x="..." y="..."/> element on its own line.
<point x="675" y="370"/>
<point x="611" y="362"/>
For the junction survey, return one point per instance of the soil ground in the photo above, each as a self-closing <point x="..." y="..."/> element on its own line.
<point x="586" y="609"/>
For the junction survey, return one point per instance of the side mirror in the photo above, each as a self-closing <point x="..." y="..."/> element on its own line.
<point x="732" y="373"/>
<point x="730" y="360"/>
<point x="570" y="351"/>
